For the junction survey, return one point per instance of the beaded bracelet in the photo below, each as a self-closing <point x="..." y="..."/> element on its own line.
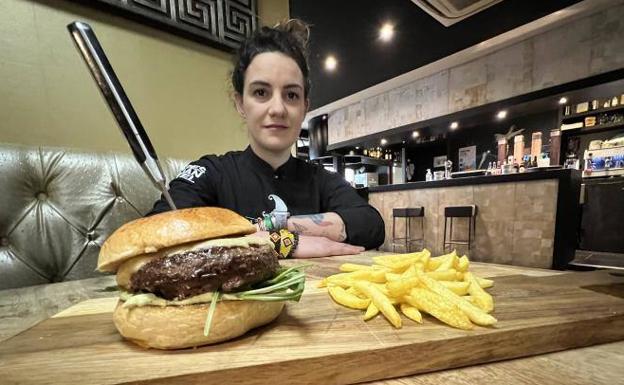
<point x="284" y="242"/>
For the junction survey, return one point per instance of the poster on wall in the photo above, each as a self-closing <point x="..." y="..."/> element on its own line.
<point x="438" y="161"/>
<point x="467" y="158"/>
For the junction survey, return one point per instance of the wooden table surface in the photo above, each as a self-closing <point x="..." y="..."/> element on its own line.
<point x="22" y="308"/>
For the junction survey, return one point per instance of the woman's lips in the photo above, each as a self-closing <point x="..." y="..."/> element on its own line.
<point x="277" y="126"/>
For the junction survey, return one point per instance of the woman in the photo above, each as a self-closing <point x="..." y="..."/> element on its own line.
<point x="271" y="87"/>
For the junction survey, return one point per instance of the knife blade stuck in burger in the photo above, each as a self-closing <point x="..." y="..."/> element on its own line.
<point x="191" y="277"/>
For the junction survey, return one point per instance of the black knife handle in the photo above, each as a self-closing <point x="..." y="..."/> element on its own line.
<point x="114" y="94"/>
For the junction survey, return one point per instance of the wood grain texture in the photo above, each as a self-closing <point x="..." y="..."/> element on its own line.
<point x="316" y="341"/>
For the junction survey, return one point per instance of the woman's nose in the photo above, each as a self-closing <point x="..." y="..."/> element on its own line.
<point x="277" y="107"/>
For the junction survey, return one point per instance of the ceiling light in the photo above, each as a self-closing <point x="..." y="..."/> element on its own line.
<point x="386" y="32"/>
<point x="357" y="148"/>
<point x="502" y="114"/>
<point x="454" y="125"/>
<point x="383" y="141"/>
<point x="331" y="63"/>
<point x="563" y="100"/>
<point x="415" y="134"/>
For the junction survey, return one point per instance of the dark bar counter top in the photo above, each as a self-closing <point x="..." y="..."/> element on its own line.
<point x="567" y="175"/>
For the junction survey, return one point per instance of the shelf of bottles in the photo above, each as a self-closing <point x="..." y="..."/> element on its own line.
<point x="380" y="153"/>
<point x="597" y="114"/>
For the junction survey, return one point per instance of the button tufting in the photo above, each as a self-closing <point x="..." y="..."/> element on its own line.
<point x="91" y="235"/>
<point x="120" y="199"/>
<point x="42" y="196"/>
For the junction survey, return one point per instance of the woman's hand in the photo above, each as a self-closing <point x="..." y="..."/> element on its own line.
<point x="315" y="247"/>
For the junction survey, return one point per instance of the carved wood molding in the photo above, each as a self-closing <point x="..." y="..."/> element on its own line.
<point x="220" y="23"/>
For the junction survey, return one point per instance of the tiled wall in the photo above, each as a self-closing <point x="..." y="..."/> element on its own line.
<point x="584" y="47"/>
<point x="515" y="222"/>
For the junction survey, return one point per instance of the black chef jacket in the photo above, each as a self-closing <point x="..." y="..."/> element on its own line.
<point x="242" y="182"/>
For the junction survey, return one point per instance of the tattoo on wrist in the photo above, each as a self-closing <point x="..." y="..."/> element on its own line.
<point x="299" y="228"/>
<point x="317" y="219"/>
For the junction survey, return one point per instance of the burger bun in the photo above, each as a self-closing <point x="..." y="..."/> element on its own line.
<point x="176" y="327"/>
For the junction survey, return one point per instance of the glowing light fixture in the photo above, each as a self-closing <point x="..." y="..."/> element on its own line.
<point x="415" y="134"/>
<point x="331" y="63"/>
<point x="454" y="125"/>
<point x="383" y="141"/>
<point x="563" y="100"/>
<point x="502" y="114"/>
<point x="386" y="32"/>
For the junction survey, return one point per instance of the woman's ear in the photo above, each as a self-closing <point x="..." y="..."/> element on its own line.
<point x="307" y="105"/>
<point x="238" y="101"/>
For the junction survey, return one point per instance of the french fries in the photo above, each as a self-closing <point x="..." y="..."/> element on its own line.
<point x="412" y="284"/>
<point x="341" y="297"/>
<point x="380" y="301"/>
<point x="481" y="298"/>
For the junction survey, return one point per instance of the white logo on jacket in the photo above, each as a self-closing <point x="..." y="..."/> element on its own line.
<point x="191" y="172"/>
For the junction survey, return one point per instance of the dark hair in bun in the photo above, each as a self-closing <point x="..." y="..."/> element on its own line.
<point x="289" y="37"/>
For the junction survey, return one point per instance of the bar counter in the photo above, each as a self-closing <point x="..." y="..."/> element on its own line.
<point x="20" y="309"/>
<point x="526" y="219"/>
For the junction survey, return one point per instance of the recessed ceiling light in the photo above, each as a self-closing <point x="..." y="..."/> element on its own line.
<point x="357" y="148"/>
<point x="502" y="114"/>
<point x="563" y="100"/>
<point x="383" y="141"/>
<point x="386" y="32"/>
<point x="331" y="63"/>
<point x="415" y="134"/>
<point x="454" y="125"/>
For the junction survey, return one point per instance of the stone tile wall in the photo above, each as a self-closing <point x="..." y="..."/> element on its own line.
<point x="515" y="223"/>
<point x="584" y="47"/>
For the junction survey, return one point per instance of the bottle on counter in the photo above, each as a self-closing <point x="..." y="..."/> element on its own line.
<point x="448" y="166"/>
<point x="536" y="143"/>
<point x="428" y="175"/>
<point x="502" y="150"/>
<point x="518" y="148"/>
<point x="555" y="147"/>
<point x="589" y="164"/>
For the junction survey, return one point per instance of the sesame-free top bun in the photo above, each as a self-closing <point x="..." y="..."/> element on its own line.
<point x="176" y="327"/>
<point x="171" y="228"/>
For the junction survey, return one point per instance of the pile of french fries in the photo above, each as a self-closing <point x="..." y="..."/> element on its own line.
<point x="414" y="283"/>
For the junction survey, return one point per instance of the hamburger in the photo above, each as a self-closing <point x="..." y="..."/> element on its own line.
<point x="191" y="277"/>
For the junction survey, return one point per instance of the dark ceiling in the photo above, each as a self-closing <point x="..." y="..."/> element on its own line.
<point x="348" y="30"/>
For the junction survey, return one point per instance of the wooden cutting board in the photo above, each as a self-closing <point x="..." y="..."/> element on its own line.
<point x="317" y="341"/>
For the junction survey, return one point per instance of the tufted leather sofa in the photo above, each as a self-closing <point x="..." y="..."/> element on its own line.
<point x="57" y="206"/>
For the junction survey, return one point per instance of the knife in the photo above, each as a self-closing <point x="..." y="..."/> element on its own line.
<point x="119" y="104"/>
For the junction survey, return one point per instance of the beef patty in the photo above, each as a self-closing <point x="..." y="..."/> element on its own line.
<point x="190" y="273"/>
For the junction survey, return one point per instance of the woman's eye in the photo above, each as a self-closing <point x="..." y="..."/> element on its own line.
<point x="292" y="95"/>
<point x="260" y="92"/>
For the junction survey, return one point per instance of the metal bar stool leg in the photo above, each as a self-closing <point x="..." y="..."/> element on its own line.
<point x="393" y="234"/>
<point x="407" y="234"/>
<point x="469" y="234"/>
<point x="444" y="238"/>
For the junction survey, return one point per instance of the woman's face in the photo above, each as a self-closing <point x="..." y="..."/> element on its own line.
<point x="273" y="102"/>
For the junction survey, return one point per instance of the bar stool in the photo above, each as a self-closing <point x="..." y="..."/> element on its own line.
<point x="408" y="214"/>
<point x="469" y="212"/>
